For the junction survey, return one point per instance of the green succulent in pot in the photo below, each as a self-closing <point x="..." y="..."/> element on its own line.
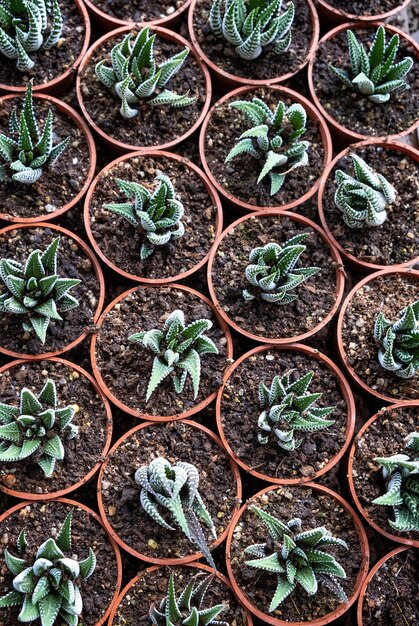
<point x="398" y="342"/>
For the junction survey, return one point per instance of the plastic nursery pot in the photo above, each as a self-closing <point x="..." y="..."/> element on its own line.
<point x="106" y="22"/>
<point x="337" y="263"/>
<point x="358" y="264"/>
<point x="342" y="133"/>
<point x="130" y="587"/>
<point x="313" y="115"/>
<point x="59" y="230"/>
<point x="119" y="147"/>
<point x="60" y="83"/>
<point x="381" y="415"/>
<point x="107" y="520"/>
<point x="231" y="81"/>
<point x="346" y="394"/>
<point x="403" y="272"/>
<point x="194" y="170"/>
<point x="119" y="403"/>
<point x="363" y="568"/>
<point x="330" y="13"/>
<point x="72" y="367"/>
<point x="116" y="555"/>
<point x="78" y="121"/>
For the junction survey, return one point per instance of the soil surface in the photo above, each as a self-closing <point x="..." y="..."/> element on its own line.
<point x="139" y="10"/>
<point x="174" y="441"/>
<point x="359" y="7"/>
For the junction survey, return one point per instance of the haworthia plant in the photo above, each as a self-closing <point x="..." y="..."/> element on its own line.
<point x="412" y="441"/>
<point x="375" y="73"/>
<point x="135" y="76"/>
<point x="253" y="26"/>
<point x="47" y="587"/>
<point x="273" y="139"/>
<point x="158" y="215"/>
<point x="398" y="342"/>
<point x="35" y="291"/>
<point x="169" y="495"/>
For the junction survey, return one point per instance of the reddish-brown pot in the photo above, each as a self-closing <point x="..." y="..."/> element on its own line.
<point x="25" y="495"/>
<point x="346" y="393"/>
<point x="312" y="113"/>
<point x="340" y="610"/>
<point x="99" y="275"/>
<point x="120" y="147"/>
<point x="106" y="22"/>
<point x="81" y="124"/>
<point x="152" y="153"/>
<point x="337" y="16"/>
<point x="144" y="557"/>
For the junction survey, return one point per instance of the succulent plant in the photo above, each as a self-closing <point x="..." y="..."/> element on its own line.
<point x="289" y="408"/>
<point x="134" y="74"/>
<point x="36" y="426"/>
<point x="170" y="492"/>
<point x="374" y="73"/>
<point x="399" y="342"/>
<point x="252" y="26"/>
<point x="35" y="291"/>
<point x="157" y="214"/>
<point x="412" y="441"/>
<point x="27" y="150"/>
<point x="27" y="26"/>
<point x="272" y="272"/>
<point x="177" y="348"/>
<point x="49" y="588"/>
<point x="364" y="197"/>
<point x="274" y="139"/>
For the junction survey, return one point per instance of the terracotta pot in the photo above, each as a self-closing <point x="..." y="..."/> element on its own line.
<point x="59" y="84"/>
<point x="358" y="264"/>
<point x="157" y="154"/>
<point x="342" y="608"/>
<point x="230" y="81"/>
<point x="337" y="16"/>
<point x="313" y="114"/>
<point x="99" y="275"/>
<point x="341" y="349"/>
<point x="340" y="279"/>
<point x="81" y="124"/>
<point x="398" y="538"/>
<point x="156" y="418"/>
<point x="346" y="394"/>
<point x="194" y="566"/>
<point x="145" y="557"/>
<point x="106" y="22"/>
<point x="120" y="147"/>
<point x="25" y="495"/>
<point x="341" y="133"/>
<point x="96" y="517"/>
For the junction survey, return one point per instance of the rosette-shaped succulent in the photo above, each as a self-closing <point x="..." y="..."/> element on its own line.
<point x="399" y="342"/>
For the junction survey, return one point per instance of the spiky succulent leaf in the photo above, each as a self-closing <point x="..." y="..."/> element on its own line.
<point x="398" y="342"/>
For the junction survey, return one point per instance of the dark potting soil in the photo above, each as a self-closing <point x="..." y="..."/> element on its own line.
<point x="126" y="367"/>
<point x="384" y="437"/>
<point x="389" y="294"/>
<point x="174" y="441"/>
<point x="51" y="63"/>
<point x="240" y="409"/>
<point x="348" y="106"/>
<point x="314" y="509"/>
<point x="269" y="65"/>
<point x="81" y="453"/>
<point x="239" y="176"/>
<point x="38" y="519"/>
<point x="392" y="596"/>
<point x="120" y="241"/>
<point x="72" y="263"/>
<point x="59" y="183"/>
<point x="139" y="10"/>
<point x="316" y="296"/>
<point x="360" y="7"/>
<point x="153" y="125"/>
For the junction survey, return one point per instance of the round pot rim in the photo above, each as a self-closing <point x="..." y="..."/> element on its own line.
<point x="115" y="22"/>
<point x="27" y="495"/>
<point x="99" y="277"/>
<point x="351" y="17"/>
<point x="363" y="570"/>
<point x="165" y="34"/>
<point x="312" y="113"/>
<point x="71" y="113"/>
<point x="344" y="389"/>
<point x="212" y="193"/>
<point x="339" y="287"/>
<point x="168" y="561"/>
